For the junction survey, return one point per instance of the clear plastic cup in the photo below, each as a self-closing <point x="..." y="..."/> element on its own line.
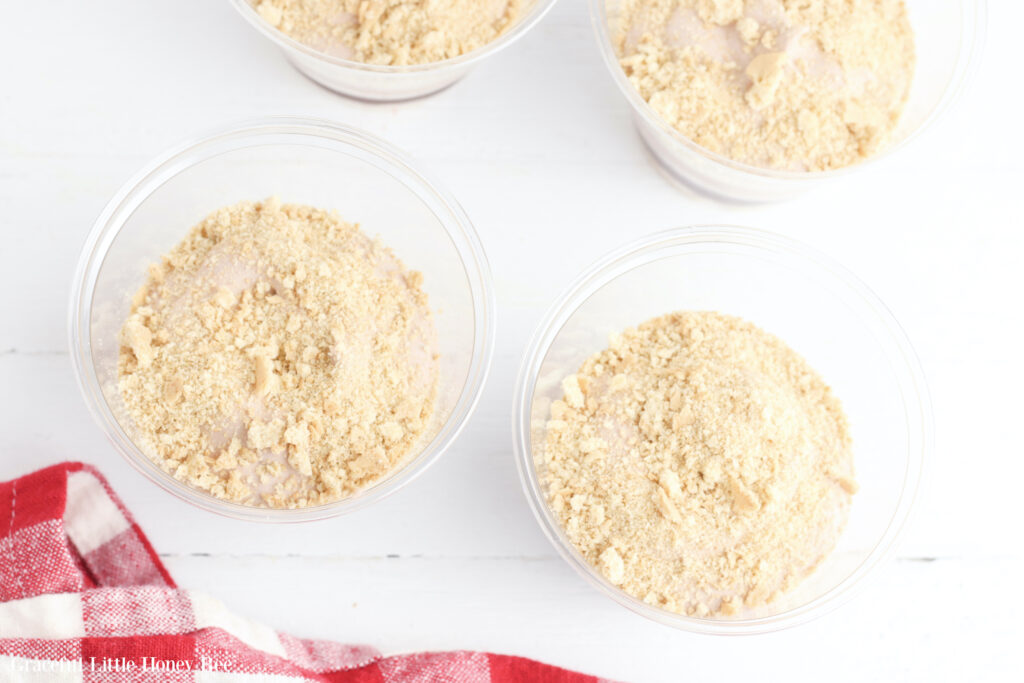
<point x="387" y="83"/>
<point x="302" y="161"/>
<point x="814" y="305"/>
<point x="949" y="36"/>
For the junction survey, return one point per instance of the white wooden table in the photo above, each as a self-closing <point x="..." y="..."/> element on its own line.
<point x="537" y="144"/>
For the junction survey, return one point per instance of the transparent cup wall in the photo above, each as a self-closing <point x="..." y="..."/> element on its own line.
<point x="385" y="83"/>
<point x="847" y="336"/>
<point x="376" y="85"/>
<point x="948" y="37"/>
<point x="298" y="169"/>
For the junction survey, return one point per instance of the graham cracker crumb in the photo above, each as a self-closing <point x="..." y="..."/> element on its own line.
<point x="802" y="85"/>
<point x="250" y="378"/>
<point x="722" y="509"/>
<point x="392" y="32"/>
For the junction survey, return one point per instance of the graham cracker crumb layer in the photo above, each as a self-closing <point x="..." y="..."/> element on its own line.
<point x="392" y="32"/>
<point x="278" y="357"/>
<point x="699" y="464"/>
<point x="799" y="85"/>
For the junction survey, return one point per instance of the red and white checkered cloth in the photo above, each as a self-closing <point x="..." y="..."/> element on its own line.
<point x="84" y="598"/>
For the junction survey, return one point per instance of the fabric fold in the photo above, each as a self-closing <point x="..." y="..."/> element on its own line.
<point x="85" y="597"/>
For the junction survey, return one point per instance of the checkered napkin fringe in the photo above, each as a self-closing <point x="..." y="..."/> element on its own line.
<point x="85" y="598"/>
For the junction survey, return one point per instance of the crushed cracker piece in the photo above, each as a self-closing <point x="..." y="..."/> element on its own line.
<point x="224" y="297"/>
<point x="139" y="339"/>
<point x="266" y="379"/>
<point x="573" y="393"/>
<point x="612" y="565"/>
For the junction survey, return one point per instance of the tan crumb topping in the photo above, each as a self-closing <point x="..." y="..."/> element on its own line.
<point x="800" y="85"/>
<point x="278" y="357"/>
<point x="699" y="464"/>
<point x="392" y="32"/>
